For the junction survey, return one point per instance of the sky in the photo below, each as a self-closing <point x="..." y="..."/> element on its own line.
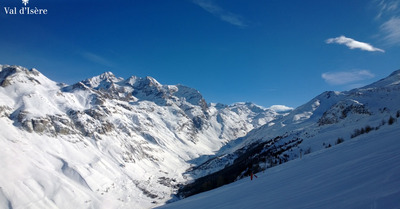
<point x="270" y="52"/>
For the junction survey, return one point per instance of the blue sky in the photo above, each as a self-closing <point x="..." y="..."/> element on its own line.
<point x="267" y="52"/>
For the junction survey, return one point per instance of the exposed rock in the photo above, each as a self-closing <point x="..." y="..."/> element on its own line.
<point x="341" y="110"/>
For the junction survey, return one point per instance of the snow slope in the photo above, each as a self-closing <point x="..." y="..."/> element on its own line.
<point x="328" y="119"/>
<point x="360" y="173"/>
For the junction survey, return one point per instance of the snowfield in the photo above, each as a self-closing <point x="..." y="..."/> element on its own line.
<point x="360" y="173"/>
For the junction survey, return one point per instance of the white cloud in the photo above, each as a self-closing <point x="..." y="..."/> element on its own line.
<point x="224" y="15"/>
<point x="353" y="44"/>
<point x="391" y="30"/>
<point x="342" y="78"/>
<point x="280" y="108"/>
<point x="96" y="59"/>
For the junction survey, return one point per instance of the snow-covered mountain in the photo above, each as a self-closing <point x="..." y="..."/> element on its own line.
<point x="110" y="142"/>
<point x="107" y="142"/>
<point x="329" y="119"/>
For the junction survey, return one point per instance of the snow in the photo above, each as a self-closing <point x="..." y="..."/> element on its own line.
<point x="361" y="173"/>
<point x="107" y="142"/>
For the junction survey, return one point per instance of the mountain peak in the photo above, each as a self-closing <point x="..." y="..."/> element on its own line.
<point x="191" y="95"/>
<point x="107" y="75"/>
<point x="102" y="81"/>
<point x="152" y="81"/>
<point x="10" y="74"/>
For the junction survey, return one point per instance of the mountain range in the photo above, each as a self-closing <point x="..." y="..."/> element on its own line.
<point x="110" y="142"/>
<point x="107" y="140"/>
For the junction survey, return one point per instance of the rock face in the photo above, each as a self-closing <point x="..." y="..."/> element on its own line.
<point x="135" y="137"/>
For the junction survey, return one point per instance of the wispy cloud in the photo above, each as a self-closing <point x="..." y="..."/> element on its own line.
<point x="96" y="59"/>
<point x="389" y="15"/>
<point x="387" y="7"/>
<point x="349" y="77"/>
<point x="391" y="31"/>
<point x="353" y="44"/>
<point x="229" y="17"/>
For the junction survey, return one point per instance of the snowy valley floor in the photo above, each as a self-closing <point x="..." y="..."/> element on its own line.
<point x="363" y="172"/>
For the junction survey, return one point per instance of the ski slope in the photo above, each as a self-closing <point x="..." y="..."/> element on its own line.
<point x="363" y="172"/>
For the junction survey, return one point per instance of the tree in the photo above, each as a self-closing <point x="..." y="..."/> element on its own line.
<point x="356" y="133"/>
<point x="339" y="140"/>
<point x="307" y="151"/>
<point x="368" y="128"/>
<point x="391" y="120"/>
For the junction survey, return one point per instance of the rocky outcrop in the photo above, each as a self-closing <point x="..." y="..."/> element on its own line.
<point x="341" y="110"/>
